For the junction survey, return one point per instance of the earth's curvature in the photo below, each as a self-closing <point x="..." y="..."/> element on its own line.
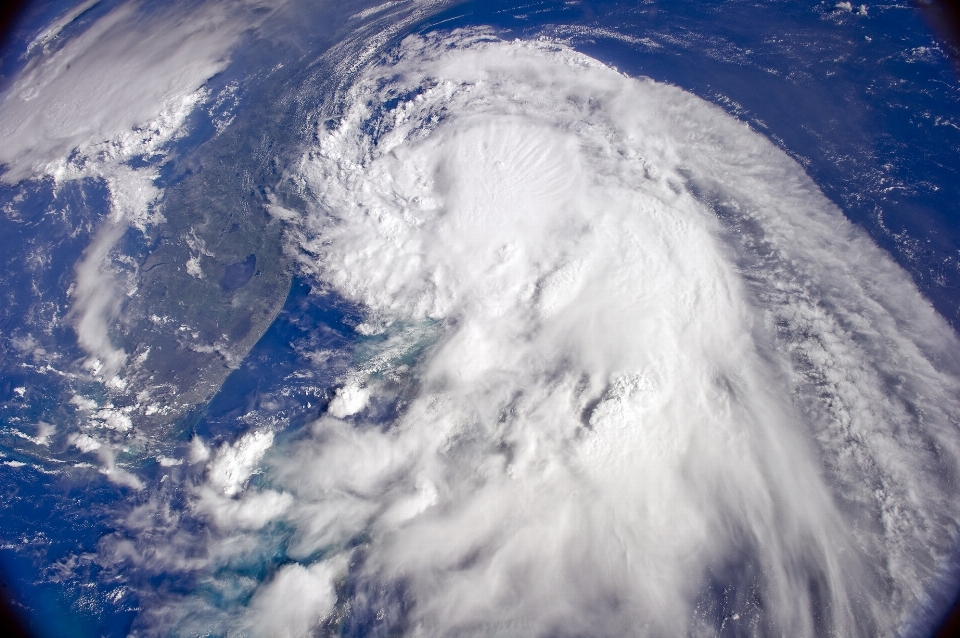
<point x="546" y="319"/>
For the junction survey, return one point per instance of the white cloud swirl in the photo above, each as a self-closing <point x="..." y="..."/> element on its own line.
<point x="669" y="387"/>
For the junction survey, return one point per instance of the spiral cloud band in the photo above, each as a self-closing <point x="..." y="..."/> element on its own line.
<point x="631" y="373"/>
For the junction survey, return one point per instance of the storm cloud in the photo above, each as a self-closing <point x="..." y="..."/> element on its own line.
<point x="663" y="384"/>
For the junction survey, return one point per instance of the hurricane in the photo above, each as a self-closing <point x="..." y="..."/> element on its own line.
<point x="501" y="340"/>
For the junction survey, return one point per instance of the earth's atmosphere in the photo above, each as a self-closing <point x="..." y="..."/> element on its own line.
<point x="536" y="318"/>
